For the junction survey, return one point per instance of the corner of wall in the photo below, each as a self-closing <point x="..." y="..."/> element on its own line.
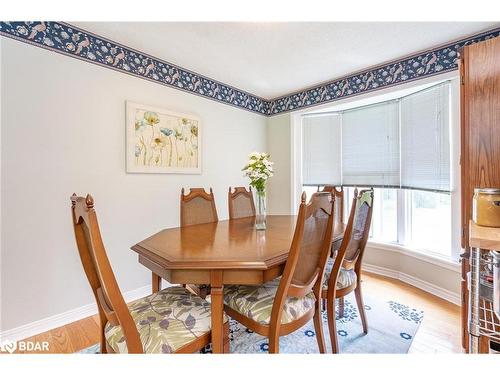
<point x="278" y="138"/>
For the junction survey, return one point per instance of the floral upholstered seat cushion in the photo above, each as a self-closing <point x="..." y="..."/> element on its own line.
<point x="256" y="302"/>
<point x="346" y="277"/>
<point x="166" y="321"/>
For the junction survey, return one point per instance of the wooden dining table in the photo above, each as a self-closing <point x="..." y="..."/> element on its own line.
<point x="218" y="254"/>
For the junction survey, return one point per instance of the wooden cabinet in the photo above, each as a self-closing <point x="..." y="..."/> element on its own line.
<point x="480" y="137"/>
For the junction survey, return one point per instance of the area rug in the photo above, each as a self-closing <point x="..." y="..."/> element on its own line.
<point x="391" y="329"/>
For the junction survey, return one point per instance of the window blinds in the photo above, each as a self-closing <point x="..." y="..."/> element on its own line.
<point x="370" y="145"/>
<point x="321" y="150"/>
<point x="404" y="143"/>
<point x="425" y="140"/>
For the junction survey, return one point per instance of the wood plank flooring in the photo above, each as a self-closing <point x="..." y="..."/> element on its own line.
<point x="438" y="333"/>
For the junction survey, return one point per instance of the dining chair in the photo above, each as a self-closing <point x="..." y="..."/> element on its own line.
<point x="198" y="207"/>
<point x="283" y="305"/>
<point x="240" y="203"/>
<point x="338" y="192"/>
<point x="343" y="273"/>
<point x="170" y="321"/>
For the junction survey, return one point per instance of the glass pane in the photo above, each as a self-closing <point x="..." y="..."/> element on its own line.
<point x="348" y="195"/>
<point x="429" y="222"/>
<point x="384" y="227"/>
<point x="310" y="190"/>
<point x="385" y="215"/>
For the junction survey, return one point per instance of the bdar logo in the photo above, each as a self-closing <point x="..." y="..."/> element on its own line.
<point x="25" y="346"/>
<point x="9" y="347"/>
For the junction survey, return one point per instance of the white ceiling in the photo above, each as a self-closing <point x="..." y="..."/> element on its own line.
<point x="273" y="59"/>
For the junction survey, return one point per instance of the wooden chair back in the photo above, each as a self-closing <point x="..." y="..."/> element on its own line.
<point x="338" y="192"/>
<point x="110" y="302"/>
<point x="353" y="245"/>
<point x="198" y="207"/>
<point x="309" y="251"/>
<point x="240" y="203"/>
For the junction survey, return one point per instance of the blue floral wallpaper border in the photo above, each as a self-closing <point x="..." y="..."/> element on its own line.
<point x="75" y="42"/>
<point x="72" y="41"/>
<point x="435" y="61"/>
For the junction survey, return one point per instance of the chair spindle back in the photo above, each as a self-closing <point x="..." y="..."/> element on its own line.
<point x="198" y="207"/>
<point x="355" y="237"/>
<point x="309" y="251"/>
<point x="110" y="302"/>
<point x="339" y="201"/>
<point x="240" y="203"/>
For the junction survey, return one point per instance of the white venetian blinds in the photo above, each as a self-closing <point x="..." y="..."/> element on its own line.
<point x="402" y="143"/>
<point x="425" y="140"/>
<point x="321" y="150"/>
<point x="370" y="145"/>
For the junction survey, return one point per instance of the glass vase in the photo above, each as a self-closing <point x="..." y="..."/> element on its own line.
<point x="260" y="219"/>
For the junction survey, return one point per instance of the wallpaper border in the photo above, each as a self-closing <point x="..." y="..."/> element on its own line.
<point x="75" y="42"/>
<point x="78" y="43"/>
<point x="434" y="61"/>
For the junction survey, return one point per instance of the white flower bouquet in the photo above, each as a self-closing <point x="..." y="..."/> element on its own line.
<point x="258" y="170"/>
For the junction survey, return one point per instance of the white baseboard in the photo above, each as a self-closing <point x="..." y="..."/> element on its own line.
<point x="44" y="325"/>
<point x="416" y="282"/>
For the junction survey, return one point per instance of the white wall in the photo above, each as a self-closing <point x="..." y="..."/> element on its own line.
<point x="279" y="147"/>
<point x="63" y="131"/>
<point x="436" y="277"/>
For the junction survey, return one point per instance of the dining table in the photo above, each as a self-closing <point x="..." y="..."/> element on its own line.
<point x="221" y="253"/>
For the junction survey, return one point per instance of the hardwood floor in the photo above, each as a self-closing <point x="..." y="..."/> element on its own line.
<point x="440" y="330"/>
<point x="438" y="333"/>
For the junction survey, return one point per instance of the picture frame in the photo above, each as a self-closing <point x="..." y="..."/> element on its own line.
<point x="162" y="141"/>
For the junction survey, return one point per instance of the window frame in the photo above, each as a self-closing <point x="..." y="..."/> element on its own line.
<point x="383" y="95"/>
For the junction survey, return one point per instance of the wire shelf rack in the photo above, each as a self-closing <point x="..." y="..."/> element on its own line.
<point x="489" y="324"/>
<point x="482" y="319"/>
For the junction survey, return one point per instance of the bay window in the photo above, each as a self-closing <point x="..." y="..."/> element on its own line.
<point x="401" y="148"/>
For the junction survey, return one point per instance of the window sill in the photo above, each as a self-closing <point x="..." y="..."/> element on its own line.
<point x="420" y="255"/>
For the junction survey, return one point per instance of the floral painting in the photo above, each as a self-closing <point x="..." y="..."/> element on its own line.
<point x="162" y="141"/>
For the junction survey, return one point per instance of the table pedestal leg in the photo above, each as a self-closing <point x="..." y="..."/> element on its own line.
<point x="156" y="282"/>
<point x="217" y="306"/>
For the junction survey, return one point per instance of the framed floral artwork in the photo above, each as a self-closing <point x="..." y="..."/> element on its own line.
<point x="162" y="141"/>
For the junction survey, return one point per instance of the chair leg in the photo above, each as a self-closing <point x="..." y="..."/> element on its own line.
<point x="102" y="337"/>
<point x="330" y="309"/>
<point x="361" y="307"/>
<point x="274" y="344"/>
<point x="484" y="345"/>
<point x="318" y="327"/>
<point x="274" y="338"/>
<point x="341" y="307"/>
<point x="226" y="338"/>
<point x="103" y="343"/>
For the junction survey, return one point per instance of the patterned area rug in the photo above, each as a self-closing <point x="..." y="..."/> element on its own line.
<point x="391" y="329"/>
